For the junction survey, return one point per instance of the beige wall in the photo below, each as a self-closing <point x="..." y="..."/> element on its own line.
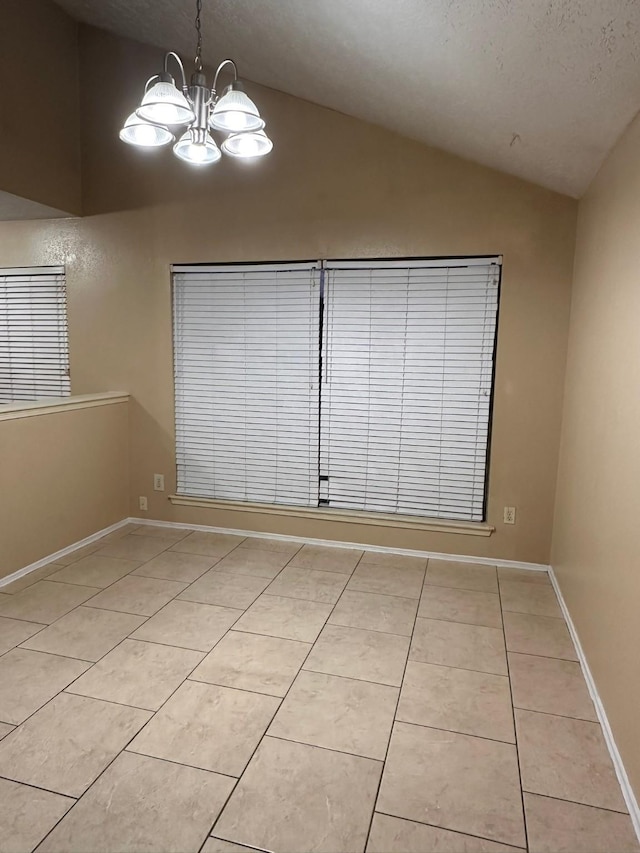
<point x="334" y="187"/>
<point x="39" y="104"/>
<point x="63" y="476"/>
<point x="596" y="542"/>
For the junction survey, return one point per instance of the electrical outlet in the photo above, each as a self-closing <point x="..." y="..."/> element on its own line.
<point x="142" y="501"/>
<point x="509" y="516"/>
<point x="158" y="482"/>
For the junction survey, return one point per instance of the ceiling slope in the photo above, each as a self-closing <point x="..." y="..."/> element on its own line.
<point x="541" y="89"/>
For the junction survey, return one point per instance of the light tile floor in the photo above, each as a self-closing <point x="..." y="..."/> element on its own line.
<point x="162" y="690"/>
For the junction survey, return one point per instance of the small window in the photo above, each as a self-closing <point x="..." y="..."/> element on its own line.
<point x="34" y="347"/>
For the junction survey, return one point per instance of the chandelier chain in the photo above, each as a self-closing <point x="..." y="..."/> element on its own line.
<point x="198" y="57"/>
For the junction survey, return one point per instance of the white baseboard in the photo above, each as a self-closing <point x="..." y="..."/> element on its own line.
<point x="621" y="773"/>
<point x="62" y="553"/>
<point x="330" y="543"/>
<point x="434" y="555"/>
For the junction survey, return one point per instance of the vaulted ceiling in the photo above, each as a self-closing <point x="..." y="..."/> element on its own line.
<point x="537" y="88"/>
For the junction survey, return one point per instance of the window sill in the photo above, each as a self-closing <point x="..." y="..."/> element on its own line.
<point x="430" y="525"/>
<point x="13" y="411"/>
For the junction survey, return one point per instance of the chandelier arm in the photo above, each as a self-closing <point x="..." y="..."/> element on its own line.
<point x="150" y="80"/>
<point x="173" y="54"/>
<point x="219" y="69"/>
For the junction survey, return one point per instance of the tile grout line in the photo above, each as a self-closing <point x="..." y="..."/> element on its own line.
<point x="527" y="613"/>
<point x="409" y="659"/>
<point x="153" y="713"/>
<point x="276" y="696"/>
<point x="353" y="677"/>
<point x="462" y="668"/>
<point x="175" y="645"/>
<point x="576" y="803"/>
<point x="146" y="618"/>
<point x="75" y="583"/>
<point x="174" y="762"/>
<point x="90" y="786"/>
<point x="493" y="562"/>
<point x="247" y="846"/>
<point x="169" y="548"/>
<point x="515" y="730"/>
<point x="70" y="796"/>
<point x="110" y="701"/>
<point x="41" y="788"/>
<point x="140" y="730"/>
<point x="325" y="749"/>
<point x="389" y="594"/>
<point x="595" y="722"/>
<point x="138" y="574"/>
<point x="141" y="523"/>
<point x="142" y="615"/>
<point x="373" y="630"/>
<point x="395" y="712"/>
<point x="238" y="689"/>
<point x="88" y="604"/>
<point x="235" y="630"/>
<point x="231" y="628"/>
<point x="546" y="657"/>
<point x="260" y="740"/>
<point x="88" y="601"/>
<point x="92" y="607"/>
<point x="86" y="586"/>
<point x="455" y="831"/>
<point x="457" y="732"/>
<point x="93" y="663"/>
<point x="228" y="630"/>
<point x="265" y="734"/>
<point x="430" y="584"/>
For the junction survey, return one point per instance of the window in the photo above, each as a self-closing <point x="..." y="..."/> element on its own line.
<point x="406" y="391"/>
<point x="246" y="382"/>
<point x="34" y="349"/>
<point x="363" y="385"/>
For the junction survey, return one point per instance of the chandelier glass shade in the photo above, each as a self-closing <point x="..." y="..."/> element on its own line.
<point x="235" y="112"/>
<point x="137" y="131"/>
<point x="164" y="104"/>
<point x="253" y="144"/>
<point x="190" y="113"/>
<point x="197" y="148"/>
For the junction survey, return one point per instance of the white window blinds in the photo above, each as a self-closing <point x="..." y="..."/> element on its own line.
<point x="406" y="386"/>
<point x="34" y="349"/>
<point x="246" y="382"/>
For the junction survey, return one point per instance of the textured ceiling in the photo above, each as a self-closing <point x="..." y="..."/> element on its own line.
<point x="537" y="88"/>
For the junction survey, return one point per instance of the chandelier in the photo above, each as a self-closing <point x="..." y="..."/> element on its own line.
<point x="165" y="109"/>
